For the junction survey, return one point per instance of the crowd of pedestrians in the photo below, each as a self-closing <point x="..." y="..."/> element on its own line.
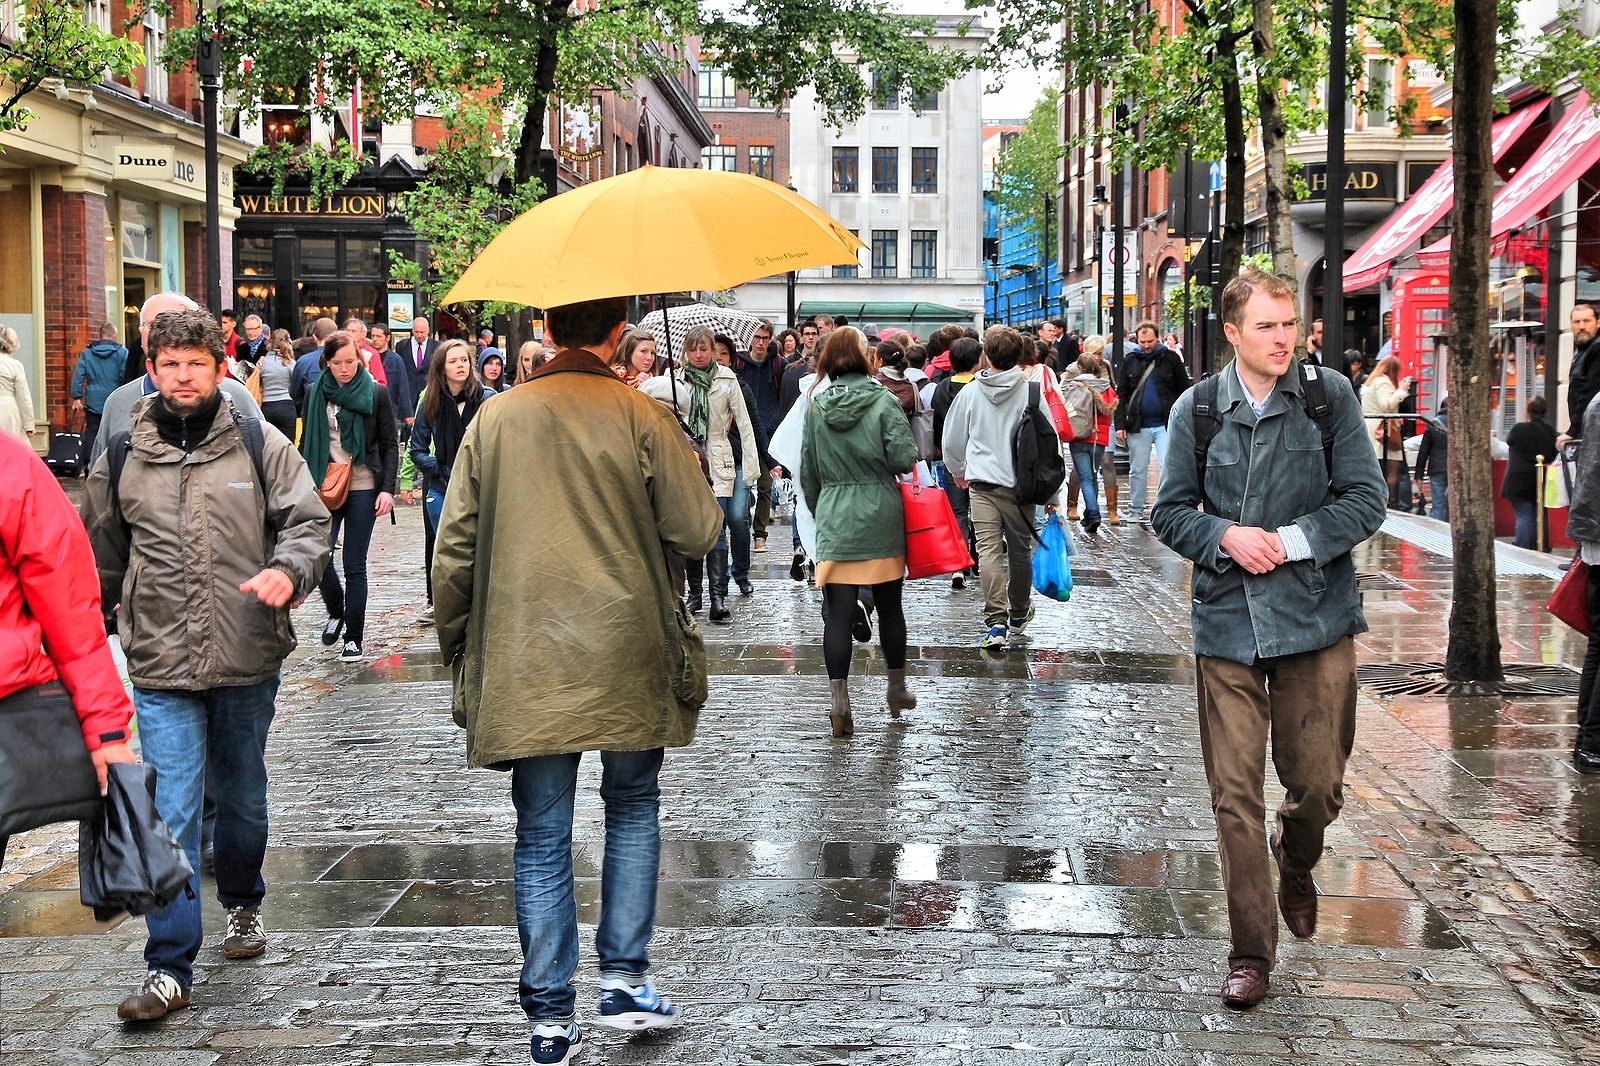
<point x="228" y="473"/>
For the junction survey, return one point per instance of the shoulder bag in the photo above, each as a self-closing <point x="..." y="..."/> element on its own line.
<point x="335" y="487"/>
<point x="46" y="774"/>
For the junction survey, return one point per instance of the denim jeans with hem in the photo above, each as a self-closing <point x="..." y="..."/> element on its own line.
<point x="543" y="790"/>
<point x="1527" y="523"/>
<point x="349" y="602"/>
<point x="1086" y="460"/>
<point x="181" y="734"/>
<point x="1439" y="497"/>
<point x="1140" y="444"/>
<point x="736" y="524"/>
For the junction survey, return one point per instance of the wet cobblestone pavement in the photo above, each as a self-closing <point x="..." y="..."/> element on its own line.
<point x="1021" y="872"/>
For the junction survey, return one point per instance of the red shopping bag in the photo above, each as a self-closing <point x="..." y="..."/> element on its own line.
<point x="934" y="541"/>
<point x="1570" y="601"/>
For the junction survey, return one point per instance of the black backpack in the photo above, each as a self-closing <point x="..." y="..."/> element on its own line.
<point x="1208" y="422"/>
<point x="1036" y="454"/>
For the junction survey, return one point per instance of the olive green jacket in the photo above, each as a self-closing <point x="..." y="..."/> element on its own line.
<point x="856" y="440"/>
<point x="550" y="586"/>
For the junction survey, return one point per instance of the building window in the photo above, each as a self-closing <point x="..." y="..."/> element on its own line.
<point x="716" y="88"/>
<point x="886" y="170"/>
<point x="924" y="253"/>
<point x="929" y="102"/>
<point x="155" y="41"/>
<point x="850" y="270"/>
<point x="616" y="154"/>
<point x="846" y="169"/>
<point x="11" y="19"/>
<point x="885" y="93"/>
<point x="1380" y="91"/>
<point x="885" y="253"/>
<point x="761" y="160"/>
<point x="924" y="170"/>
<point x="720" y="157"/>
<point x="96" y="13"/>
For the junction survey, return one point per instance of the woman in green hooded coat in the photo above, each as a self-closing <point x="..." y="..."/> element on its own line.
<point x="856" y="441"/>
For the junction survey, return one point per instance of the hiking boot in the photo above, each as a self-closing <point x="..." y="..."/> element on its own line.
<point x="245" y="938"/>
<point x="555" y="1045"/>
<point x="624" y="1006"/>
<point x="158" y="996"/>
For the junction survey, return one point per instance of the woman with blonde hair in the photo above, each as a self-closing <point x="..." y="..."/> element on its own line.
<point x="16" y="402"/>
<point x="530" y="357"/>
<point x="276" y="366"/>
<point x="1385" y="390"/>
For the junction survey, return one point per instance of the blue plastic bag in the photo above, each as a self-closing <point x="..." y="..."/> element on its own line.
<point x="1052" y="568"/>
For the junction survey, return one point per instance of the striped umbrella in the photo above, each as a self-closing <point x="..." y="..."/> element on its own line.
<point x="669" y="327"/>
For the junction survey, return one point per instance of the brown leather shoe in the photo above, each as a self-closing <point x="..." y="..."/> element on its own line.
<point x="1245" y="987"/>
<point x="1297" y="897"/>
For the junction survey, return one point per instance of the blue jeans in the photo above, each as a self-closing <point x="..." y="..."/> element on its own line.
<point x="181" y="734"/>
<point x="357" y="517"/>
<point x="1527" y="523"/>
<point x="736" y="522"/>
<point x="1086" y="460"/>
<point x="1439" y="497"/>
<point x="432" y="508"/>
<point x="1140" y="443"/>
<point x="543" y="790"/>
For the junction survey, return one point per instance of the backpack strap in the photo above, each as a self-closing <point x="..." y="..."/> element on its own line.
<point x="1315" y="391"/>
<point x="1207" y="424"/>
<point x="117" y="458"/>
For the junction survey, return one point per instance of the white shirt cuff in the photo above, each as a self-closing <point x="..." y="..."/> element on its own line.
<point x="1295" y="544"/>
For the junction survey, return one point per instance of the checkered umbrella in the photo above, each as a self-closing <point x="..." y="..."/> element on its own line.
<point x="670" y="327"/>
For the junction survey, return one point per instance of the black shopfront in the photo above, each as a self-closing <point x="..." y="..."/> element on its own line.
<point x="298" y="258"/>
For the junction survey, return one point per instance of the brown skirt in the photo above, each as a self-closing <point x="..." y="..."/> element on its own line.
<point x="860" y="571"/>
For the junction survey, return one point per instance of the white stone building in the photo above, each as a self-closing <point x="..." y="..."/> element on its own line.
<point x="911" y="185"/>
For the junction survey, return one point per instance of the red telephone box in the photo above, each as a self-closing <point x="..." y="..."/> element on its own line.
<point x="1421" y="311"/>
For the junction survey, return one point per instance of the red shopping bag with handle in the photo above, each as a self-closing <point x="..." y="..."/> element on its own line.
<point x="1570" y="601"/>
<point x="934" y="541"/>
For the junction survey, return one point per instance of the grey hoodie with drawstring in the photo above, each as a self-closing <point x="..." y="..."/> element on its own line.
<point x="980" y="426"/>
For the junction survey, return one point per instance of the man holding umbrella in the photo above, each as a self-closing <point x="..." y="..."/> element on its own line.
<point x="576" y="459"/>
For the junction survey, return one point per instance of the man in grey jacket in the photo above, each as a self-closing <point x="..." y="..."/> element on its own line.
<point x="204" y="539"/>
<point x="977" y="444"/>
<point x="1268" y="510"/>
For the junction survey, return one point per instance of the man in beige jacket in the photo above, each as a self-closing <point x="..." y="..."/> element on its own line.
<point x="565" y="634"/>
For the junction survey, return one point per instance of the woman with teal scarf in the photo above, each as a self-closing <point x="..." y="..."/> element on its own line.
<point x="349" y="419"/>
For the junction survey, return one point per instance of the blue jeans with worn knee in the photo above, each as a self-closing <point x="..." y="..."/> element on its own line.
<point x="736" y="522"/>
<point x="181" y="734"/>
<point x="543" y="790"/>
<point x="1086" y="460"/>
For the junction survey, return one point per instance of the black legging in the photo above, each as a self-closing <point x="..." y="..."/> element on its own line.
<point x="1588" y="707"/>
<point x="839" y="605"/>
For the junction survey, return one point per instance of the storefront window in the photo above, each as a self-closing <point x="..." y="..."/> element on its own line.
<point x="319" y="256"/>
<point x="254" y="256"/>
<point x="318" y="299"/>
<point x="361" y="301"/>
<point x="139" y="232"/>
<point x="363" y="257"/>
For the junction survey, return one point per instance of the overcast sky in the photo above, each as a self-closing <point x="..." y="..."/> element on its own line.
<point x="1007" y="96"/>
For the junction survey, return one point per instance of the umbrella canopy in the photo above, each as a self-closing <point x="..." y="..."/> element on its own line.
<point x="654" y="230"/>
<point x="740" y="325"/>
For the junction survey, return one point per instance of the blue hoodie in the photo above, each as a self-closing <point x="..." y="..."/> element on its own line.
<point x="99" y="370"/>
<point x="489" y="353"/>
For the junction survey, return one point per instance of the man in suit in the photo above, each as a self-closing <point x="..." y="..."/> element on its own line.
<point x="416" y="351"/>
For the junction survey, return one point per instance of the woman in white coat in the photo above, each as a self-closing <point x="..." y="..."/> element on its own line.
<point x="16" y="402"/>
<point x="1383" y="394"/>
<point x="708" y="400"/>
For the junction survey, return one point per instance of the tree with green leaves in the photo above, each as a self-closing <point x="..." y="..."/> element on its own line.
<point x="54" y="42"/>
<point x="1027" y="171"/>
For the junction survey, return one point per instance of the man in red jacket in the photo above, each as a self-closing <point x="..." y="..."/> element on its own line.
<point x="52" y="634"/>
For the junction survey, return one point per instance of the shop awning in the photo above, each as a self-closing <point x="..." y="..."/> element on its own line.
<point x="885" y="312"/>
<point x="1423" y="210"/>
<point x="1572" y="148"/>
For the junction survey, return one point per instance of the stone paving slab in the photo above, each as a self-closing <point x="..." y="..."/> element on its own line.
<point x="1020" y="872"/>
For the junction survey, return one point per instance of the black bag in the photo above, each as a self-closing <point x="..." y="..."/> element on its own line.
<point x="65" y="457"/>
<point x="127" y="858"/>
<point x="1036" y="454"/>
<point x="46" y="774"/>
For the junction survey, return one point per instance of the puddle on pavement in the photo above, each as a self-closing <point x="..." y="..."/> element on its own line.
<point x="1378" y="923"/>
<point x="1076" y="910"/>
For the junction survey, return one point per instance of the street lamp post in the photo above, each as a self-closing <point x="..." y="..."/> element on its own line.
<point x="1044" y="258"/>
<point x="792" y="279"/>
<point x="1118" y="327"/>
<point x="209" y="61"/>
<point x="1099" y="205"/>
<point x="1333" y="226"/>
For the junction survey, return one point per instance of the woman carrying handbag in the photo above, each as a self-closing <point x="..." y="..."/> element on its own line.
<point x="856" y="441"/>
<point x="349" y="440"/>
<point x="58" y="682"/>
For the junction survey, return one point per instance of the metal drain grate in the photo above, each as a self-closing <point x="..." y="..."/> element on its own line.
<point x="1375" y="581"/>
<point x="1091" y="578"/>
<point x="1427" y="679"/>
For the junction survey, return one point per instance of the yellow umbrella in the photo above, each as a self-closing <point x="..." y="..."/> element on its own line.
<point x="654" y="230"/>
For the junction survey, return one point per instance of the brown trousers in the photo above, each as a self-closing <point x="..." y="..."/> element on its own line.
<point x="1307" y="704"/>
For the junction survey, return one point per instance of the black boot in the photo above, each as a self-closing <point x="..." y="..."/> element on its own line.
<point x="694" y="572"/>
<point x="717" y="580"/>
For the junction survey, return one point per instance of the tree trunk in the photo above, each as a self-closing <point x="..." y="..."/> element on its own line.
<point x="1274" y="144"/>
<point x="1233" y="166"/>
<point x="530" y="161"/>
<point x="1474" y="649"/>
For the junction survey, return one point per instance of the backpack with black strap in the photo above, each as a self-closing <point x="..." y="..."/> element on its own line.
<point x="1208" y="420"/>
<point x="1036" y="456"/>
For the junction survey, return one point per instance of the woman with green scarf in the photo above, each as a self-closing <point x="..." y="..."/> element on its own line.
<point x="349" y="421"/>
<point x="707" y="398"/>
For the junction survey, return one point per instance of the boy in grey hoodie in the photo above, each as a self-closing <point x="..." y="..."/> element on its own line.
<point x="978" y="431"/>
